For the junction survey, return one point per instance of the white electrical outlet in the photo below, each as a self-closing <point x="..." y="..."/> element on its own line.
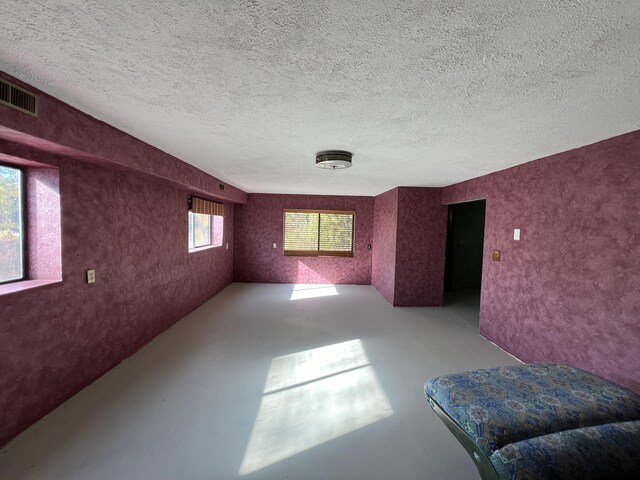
<point x="227" y="246"/>
<point x="274" y="245"/>
<point x="516" y="234"/>
<point x="91" y="276"/>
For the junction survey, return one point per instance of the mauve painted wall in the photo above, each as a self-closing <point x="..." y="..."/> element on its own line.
<point x="43" y="223"/>
<point x="59" y="338"/>
<point x="569" y="290"/>
<point x="420" y="247"/>
<point x="258" y="224"/>
<point x="385" y="228"/>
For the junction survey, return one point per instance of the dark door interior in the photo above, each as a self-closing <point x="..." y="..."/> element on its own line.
<point x="465" y="240"/>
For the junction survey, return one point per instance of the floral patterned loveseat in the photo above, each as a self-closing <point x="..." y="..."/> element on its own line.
<point x="541" y="421"/>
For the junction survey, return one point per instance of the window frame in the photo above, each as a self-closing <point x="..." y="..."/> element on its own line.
<point x="318" y="252"/>
<point x="211" y="233"/>
<point x="23" y="223"/>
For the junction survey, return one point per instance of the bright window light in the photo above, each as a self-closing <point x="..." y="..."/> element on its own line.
<point x="301" y="291"/>
<point x="199" y="230"/>
<point x="313" y="397"/>
<point x="12" y="230"/>
<point x="205" y="230"/>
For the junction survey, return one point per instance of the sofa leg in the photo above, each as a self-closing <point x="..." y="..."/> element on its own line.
<point x="481" y="461"/>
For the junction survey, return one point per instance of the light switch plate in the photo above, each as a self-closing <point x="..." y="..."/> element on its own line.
<point x="516" y="234"/>
<point x="91" y="276"/>
<point x="495" y="255"/>
<point x="227" y="246"/>
<point x="274" y="245"/>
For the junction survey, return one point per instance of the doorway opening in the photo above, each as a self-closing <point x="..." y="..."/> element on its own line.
<point x="463" y="258"/>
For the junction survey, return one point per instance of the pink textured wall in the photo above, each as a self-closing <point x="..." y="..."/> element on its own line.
<point x="57" y="339"/>
<point x="259" y="223"/>
<point x="123" y="212"/>
<point x="385" y="227"/>
<point x="569" y="291"/>
<point x="43" y="223"/>
<point x="420" y="247"/>
<point x="409" y="236"/>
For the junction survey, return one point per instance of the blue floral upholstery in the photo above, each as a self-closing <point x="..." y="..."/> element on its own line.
<point x="500" y="406"/>
<point x="610" y="451"/>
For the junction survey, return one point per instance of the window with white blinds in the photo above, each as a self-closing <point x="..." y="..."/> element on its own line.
<point x="318" y="233"/>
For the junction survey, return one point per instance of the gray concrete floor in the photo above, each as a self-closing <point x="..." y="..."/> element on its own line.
<point x="270" y="382"/>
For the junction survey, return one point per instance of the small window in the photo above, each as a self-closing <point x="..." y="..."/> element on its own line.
<point x="318" y="233"/>
<point x="12" y="232"/>
<point x="206" y="223"/>
<point x="205" y="230"/>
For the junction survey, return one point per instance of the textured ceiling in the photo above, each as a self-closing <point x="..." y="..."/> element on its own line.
<point x="424" y="93"/>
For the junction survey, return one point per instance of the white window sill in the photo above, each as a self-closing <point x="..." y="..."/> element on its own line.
<point x="23" y="285"/>
<point x="199" y="249"/>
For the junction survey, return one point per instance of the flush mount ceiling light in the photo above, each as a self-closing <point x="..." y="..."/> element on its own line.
<point x="333" y="159"/>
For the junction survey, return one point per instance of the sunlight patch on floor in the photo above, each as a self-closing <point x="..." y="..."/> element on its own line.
<point x="301" y="290"/>
<point x="291" y="370"/>
<point x="312" y="397"/>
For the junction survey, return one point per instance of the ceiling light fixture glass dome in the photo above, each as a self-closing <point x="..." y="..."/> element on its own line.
<point x="333" y="159"/>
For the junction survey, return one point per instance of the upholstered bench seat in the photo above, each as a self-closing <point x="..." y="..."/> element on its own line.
<point x="609" y="451"/>
<point x="494" y="410"/>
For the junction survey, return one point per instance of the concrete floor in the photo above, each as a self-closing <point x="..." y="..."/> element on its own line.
<point x="270" y="382"/>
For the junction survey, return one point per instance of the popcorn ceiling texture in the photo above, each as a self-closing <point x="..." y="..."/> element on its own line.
<point x="569" y="290"/>
<point x="424" y="93"/>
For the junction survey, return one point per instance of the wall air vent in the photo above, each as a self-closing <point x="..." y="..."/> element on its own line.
<point x="15" y="97"/>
